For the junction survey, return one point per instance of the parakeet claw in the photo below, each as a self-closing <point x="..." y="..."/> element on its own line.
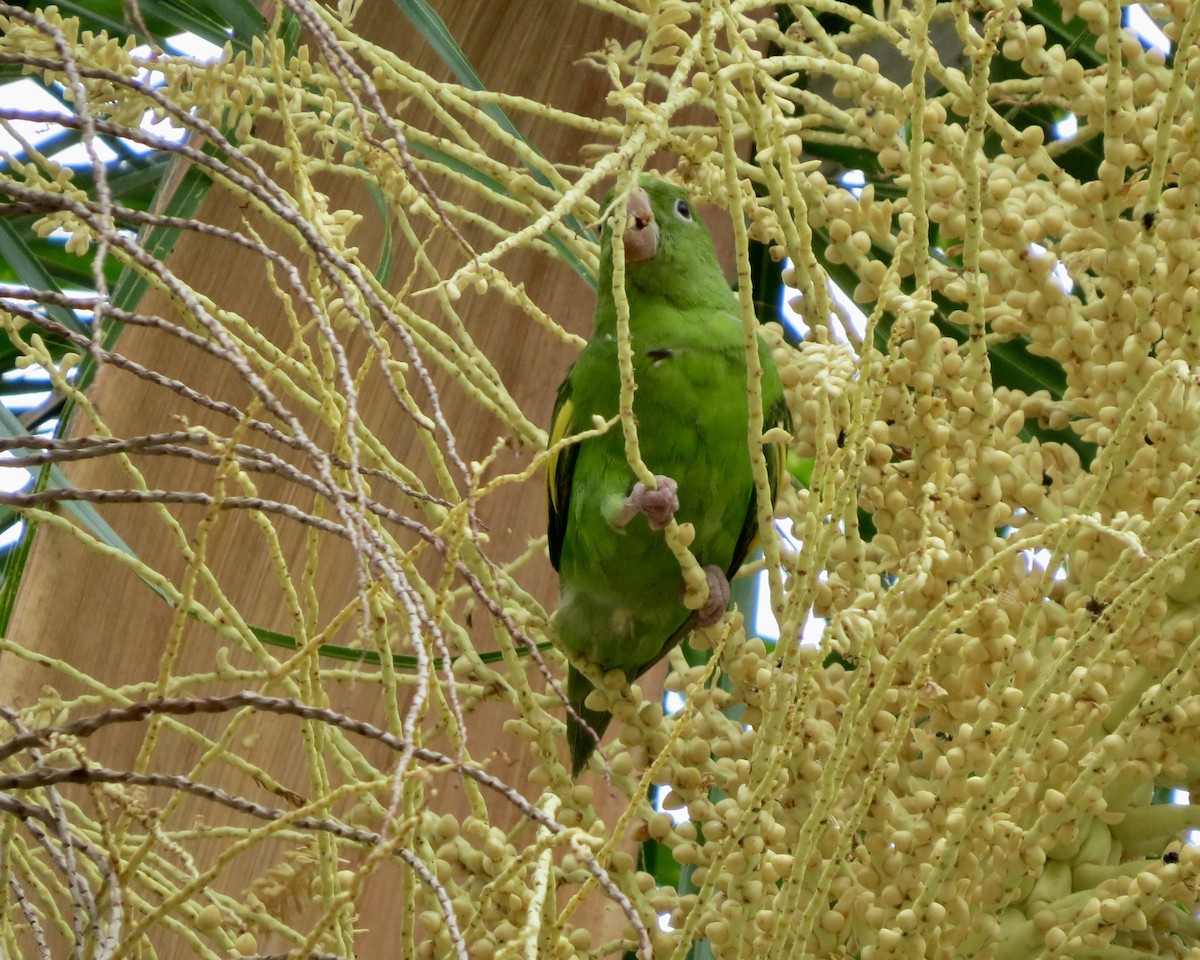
<point x="718" y="598"/>
<point x="659" y="505"/>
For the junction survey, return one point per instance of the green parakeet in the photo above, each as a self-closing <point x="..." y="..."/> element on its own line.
<point x="620" y="587"/>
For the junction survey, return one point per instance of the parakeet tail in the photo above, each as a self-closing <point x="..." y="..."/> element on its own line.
<point x="580" y="739"/>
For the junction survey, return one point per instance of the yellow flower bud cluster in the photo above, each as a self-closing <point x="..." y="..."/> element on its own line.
<point x="1011" y="587"/>
<point x="999" y="538"/>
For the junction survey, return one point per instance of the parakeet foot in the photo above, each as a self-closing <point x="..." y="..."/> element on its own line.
<point x="659" y="505"/>
<point x="718" y="598"/>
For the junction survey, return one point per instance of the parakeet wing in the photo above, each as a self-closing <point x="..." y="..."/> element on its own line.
<point x="777" y="416"/>
<point x="560" y="469"/>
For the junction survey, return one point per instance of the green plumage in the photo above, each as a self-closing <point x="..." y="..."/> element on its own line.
<point x="620" y="587"/>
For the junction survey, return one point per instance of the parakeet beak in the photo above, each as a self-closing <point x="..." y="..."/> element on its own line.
<point x="641" y="233"/>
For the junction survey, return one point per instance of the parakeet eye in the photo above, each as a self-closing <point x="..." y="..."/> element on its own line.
<point x="683" y="211"/>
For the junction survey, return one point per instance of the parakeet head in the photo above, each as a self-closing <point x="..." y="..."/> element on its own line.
<point x="668" y="249"/>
